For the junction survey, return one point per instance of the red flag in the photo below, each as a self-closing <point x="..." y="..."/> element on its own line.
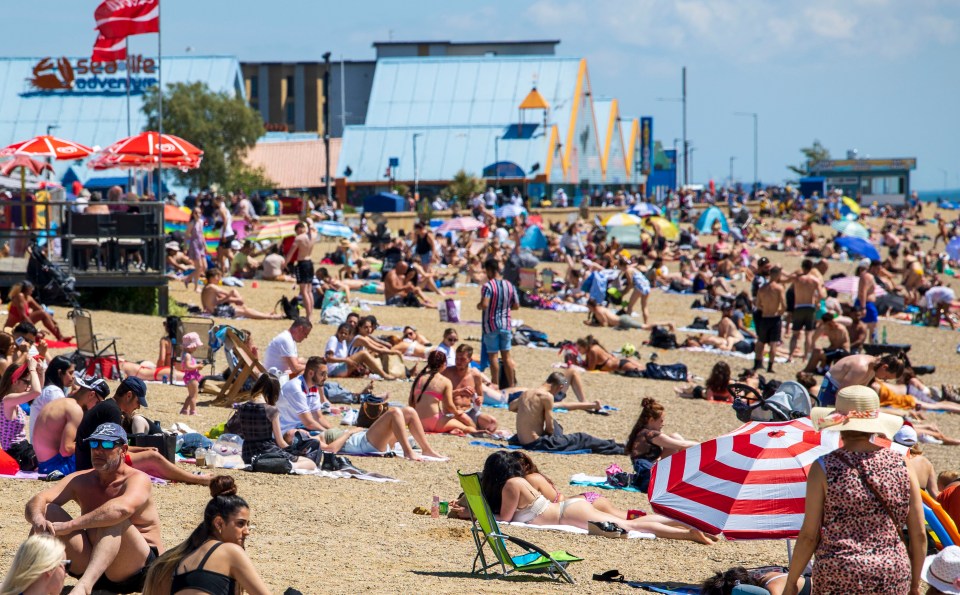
<point x="119" y="18"/>
<point x="107" y="49"/>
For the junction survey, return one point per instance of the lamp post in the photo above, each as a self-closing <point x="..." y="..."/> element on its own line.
<point x="756" y="179"/>
<point x="326" y="126"/>
<point x="690" y="151"/>
<point x="732" y="159"/>
<point x="416" y="168"/>
<point x="496" y="160"/>
<point x="683" y="100"/>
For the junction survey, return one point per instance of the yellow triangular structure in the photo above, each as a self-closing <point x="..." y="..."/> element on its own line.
<point x="534" y="100"/>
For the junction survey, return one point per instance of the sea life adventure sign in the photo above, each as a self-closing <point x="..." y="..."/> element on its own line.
<point x="83" y="77"/>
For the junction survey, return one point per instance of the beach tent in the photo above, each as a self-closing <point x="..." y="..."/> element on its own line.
<point x="709" y="217"/>
<point x="533" y="239"/>
<point x="383" y="202"/>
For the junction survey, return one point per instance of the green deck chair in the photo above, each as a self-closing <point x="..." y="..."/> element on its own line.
<point x="486" y="531"/>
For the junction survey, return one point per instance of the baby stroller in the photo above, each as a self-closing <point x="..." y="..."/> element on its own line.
<point x="788" y="401"/>
<point x="53" y="285"/>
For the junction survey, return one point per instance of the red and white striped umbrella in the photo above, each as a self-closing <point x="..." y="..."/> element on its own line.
<point x="850" y="285"/>
<point x="129" y="161"/>
<point x="460" y="224"/>
<point x="748" y="484"/>
<point x="151" y="143"/>
<point x="47" y="146"/>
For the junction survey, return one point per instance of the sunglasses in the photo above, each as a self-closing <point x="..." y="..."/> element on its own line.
<point x="104" y="444"/>
<point x="451" y="340"/>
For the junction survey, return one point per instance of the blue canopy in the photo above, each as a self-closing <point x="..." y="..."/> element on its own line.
<point x="533" y="239"/>
<point x="709" y="217"/>
<point x="503" y="169"/>
<point x="859" y="246"/>
<point x="384" y="202"/>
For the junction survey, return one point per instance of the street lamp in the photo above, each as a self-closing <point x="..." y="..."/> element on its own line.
<point x="690" y="151"/>
<point x="496" y="160"/>
<point x="756" y="179"/>
<point x="326" y="126"/>
<point x="732" y="159"/>
<point x="416" y="168"/>
<point x="683" y="100"/>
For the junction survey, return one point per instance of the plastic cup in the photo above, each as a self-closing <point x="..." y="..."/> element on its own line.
<point x="256" y="285"/>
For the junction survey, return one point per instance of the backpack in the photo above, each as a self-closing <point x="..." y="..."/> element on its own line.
<point x="22" y="452"/>
<point x="675" y="372"/>
<point x="661" y="338"/>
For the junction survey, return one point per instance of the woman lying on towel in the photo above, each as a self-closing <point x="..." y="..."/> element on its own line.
<point x="771" y="579"/>
<point x="412" y="344"/>
<point x="545" y="486"/>
<point x="598" y="359"/>
<point x="388" y="429"/>
<point x="514" y="499"/>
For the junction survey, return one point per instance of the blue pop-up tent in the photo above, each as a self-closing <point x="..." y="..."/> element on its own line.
<point x="709" y="217"/>
<point x="533" y="239"/>
<point x="383" y="202"/>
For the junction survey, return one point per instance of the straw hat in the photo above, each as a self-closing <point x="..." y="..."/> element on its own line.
<point x="191" y="340"/>
<point x="943" y="570"/>
<point x="857" y="409"/>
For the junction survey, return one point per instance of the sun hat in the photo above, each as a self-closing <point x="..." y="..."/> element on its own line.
<point x="172" y="246"/>
<point x="857" y="409"/>
<point x="906" y="436"/>
<point x="108" y="431"/>
<point x="191" y="340"/>
<point x="943" y="570"/>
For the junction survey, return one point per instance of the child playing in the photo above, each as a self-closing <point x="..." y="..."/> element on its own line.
<point x="191" y="372"/>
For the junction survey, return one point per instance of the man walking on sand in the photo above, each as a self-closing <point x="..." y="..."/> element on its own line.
<point x="116" y="538"/>
<point x="497" y="298"/>
<point x="866" y="301"/>
<point x="299" y="255"/>
<point x="771" y="304"/>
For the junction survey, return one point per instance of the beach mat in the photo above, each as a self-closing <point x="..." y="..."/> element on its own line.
<point x="597" y="481"/>
<point x="577" y="530"/>
<point x="36" y="476"/>
<point x="506" y="446"/>
<point x="54" y="344"/>
<point x="748" y="356"/>
<point x="378" y="477"/>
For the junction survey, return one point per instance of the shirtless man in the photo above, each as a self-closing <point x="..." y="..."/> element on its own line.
<point x="227" y="303"/>
<point x="838" y="344"/>
<point x="729" y="337"/>
<point x="771" y="304"/>
<point x="400" y="291"/>
<point x="537" y="430"/>
<point x="859" y="369"/>
<point x="807" y="291"/>
<point x="468" y="389"/>
<point x="117" y="535"/>
<point x="866" y="300"/>
<point x="603" y="316"/>
<point x="299" y="255"/>
<point x="56" y="426"/>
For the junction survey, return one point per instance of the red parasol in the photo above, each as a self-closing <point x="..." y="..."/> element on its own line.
<point x="48" y="146"/>
<point x="130" y="161"/>
<point x="24" y="161"/>
<point x="153" y="143"/>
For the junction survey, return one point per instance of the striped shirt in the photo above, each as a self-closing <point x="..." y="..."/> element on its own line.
<point x="502" y="295"/>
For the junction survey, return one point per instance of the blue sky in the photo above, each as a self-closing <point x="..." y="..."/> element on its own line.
<point x="879" y="76"/>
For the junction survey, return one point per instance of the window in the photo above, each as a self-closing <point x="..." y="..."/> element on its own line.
<point x="254" y="94"/>
<point x="290" y="105"/>
<point x="886" y="185"/>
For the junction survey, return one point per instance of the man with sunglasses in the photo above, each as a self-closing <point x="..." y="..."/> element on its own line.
<point x="116" y="538"/>
<point x="56" y="426"/>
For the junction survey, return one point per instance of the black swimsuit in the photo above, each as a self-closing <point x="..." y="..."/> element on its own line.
<point x="207" y="581"/>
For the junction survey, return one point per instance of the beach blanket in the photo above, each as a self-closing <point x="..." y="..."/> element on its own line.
<point x="701" y="331"/>
<point x="378" y="477"/>
<point x="749" y="356"/>
<point x="54" y="344"/>
<point x="36" y="476"/>
<point x="597" y="481"/>
<point x="569" y="529"/>
<point x="504" y="445"/>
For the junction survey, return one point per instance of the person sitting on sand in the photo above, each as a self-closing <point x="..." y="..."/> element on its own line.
<point x="537" y="430"/>
<point x="116" y="538"/>
<point x="513" y="499"/>
<point x="647" y="443"/>
<point x="38" y="567"/>
<point x="178" y="265"/>
<point x="227" y="303"/>
<point x="301" y="400"/>
<point x="273" y="266"/>
<point x="598" y="359"/>
<point x="411" y="344"/>
<point x="56" y="425"/>
<point x="716" y="388"/>
<point x="364" y="340"/>
<point x="342" y="364"/>
<point x="23" y="307"/>
<point x="399" y="290"/>
<point x="213" y="558"/>
<point x="856" y="370"/>
<point x="838" y="346"/>
<point x="18" y="385"/>
<point x="432" y="397"/>
<point x="260" y="425"/>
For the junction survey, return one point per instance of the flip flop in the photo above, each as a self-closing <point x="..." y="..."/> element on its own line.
<point x="610" y="576"/>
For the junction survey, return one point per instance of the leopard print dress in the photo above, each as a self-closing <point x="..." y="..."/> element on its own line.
<point x="860" y="550"/>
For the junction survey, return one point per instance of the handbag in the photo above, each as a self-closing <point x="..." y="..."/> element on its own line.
<point x="22" y="452"/>
<point x="842" y="458"/>
<point x="165" y="443"/>
<point x="450" y="311"/>
<point x="393" y="365"/>
<point x="371" y="408"/>
<point x="271" y="462"/>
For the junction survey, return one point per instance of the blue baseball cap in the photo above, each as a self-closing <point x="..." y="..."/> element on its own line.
<point x="108" y="431"/>
<point x="137" y="387"/>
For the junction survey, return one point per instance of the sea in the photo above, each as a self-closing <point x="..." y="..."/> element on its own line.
<point x="949" y="195"/>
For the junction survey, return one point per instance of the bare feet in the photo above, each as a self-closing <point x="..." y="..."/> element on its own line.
<point x="703" y="538"/>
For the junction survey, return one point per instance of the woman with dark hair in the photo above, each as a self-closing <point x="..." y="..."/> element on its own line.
<point x="718" y="383"/>
<point x="513" y="499"/>
<point x="212" y="560"/>
<point x="24" y="308"/>
<point x="57" y="379"/>
<point x="433" y="399"/>
<point x="647" y="444"/>
<point x="598" y="359"/>
<point x="545" y="486"/>
<point x="17" y="386"/>
<point x="723" y="582"/>
<point x="260" y="425"/>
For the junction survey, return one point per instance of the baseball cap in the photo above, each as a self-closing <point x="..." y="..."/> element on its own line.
<point x="906" y="436"/>
<point x="172" y="246"/>
<point x="108" y="431"/>
<point x="236" y="245"/>
<point x="863" y="262"/>
<point x="137" y="387"/>
<point x="92" y="382"/>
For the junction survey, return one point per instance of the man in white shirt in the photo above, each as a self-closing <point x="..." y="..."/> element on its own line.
<point x="490" y="198"/>
<point x="301" y="400"/>
<point x="281" y="352"/>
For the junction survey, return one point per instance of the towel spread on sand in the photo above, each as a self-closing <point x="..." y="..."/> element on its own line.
<point x="737" y="354"/>
<point x="569" y="529"/>
<point x="597" y="481"/>
<point x="504" y="445"/>
<point x="378" y="477"/>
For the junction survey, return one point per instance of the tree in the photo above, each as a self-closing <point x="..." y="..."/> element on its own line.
<point x="463" y="187"/>
<point x="813" y="154"/>
<point x="220" y="124"/>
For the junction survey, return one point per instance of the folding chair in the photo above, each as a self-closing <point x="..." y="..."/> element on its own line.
<point x="486" y="532"/>
<point x="201" y="326"/>
<point x="242" y="366"/>
<point x="89" y="344"/>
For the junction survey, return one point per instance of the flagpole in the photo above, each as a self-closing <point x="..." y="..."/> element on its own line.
<point x="160" y="96"/>
<point x="130" y="176"/>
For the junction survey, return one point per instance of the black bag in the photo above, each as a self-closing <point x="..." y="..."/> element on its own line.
<point x="700" y="323"/>
<point x="676" y="372"/>
<point x="289" y="307"/>
<point x="164" y="442"/>
<point x="271" y="462"/>
<point x="371" y="408"/>
<point x="662" y="338"/>
<point x="302" y="446"/>
<point x="22" y="452"/>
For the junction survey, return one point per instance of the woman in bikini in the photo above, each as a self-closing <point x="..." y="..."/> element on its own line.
<point x="23" y="307"/>
<point x="599" y="359"/>
<point x="432" y="397"/>
<point x="412" y="344"/>
<point x="545" y="486"/>
<point x="514" y="499"/>
<point x="213" y="559"/>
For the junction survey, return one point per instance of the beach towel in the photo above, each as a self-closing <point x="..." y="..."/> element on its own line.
<point x="597" y="481"/>
<point x="501" y="445"/>
<point x="748" y="356"/>
<point x="378" y="477"/>
<point x="569" y="529"/>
